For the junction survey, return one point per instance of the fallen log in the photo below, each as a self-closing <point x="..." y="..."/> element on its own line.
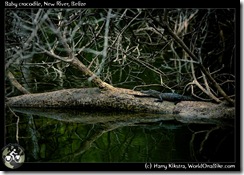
<point x="119" y="99"/>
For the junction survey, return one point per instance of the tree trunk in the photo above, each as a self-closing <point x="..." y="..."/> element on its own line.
<point x="118" y="99"/>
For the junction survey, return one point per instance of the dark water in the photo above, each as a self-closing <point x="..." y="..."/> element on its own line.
<point x="49" y="136"/>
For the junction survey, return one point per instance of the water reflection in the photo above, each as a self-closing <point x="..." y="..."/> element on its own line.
<point x="76" y="136"/>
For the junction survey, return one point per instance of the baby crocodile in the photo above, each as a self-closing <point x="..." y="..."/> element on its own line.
<point x="173" y="97"/>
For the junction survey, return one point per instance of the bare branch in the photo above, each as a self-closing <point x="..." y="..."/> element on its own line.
<point x="16" y="84"/>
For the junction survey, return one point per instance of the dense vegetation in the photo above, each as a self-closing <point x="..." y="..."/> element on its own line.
<point x="132" y="48"/>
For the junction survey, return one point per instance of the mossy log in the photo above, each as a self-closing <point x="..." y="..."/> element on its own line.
<point x="119" y="99"/>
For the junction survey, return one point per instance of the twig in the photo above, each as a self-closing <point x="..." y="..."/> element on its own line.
<point x="207" y="92"/>
<point x="105" y="45"/>
<point x="17" y="124"/>
<point x="164" y="24"/>
<point x="16" y="84"/>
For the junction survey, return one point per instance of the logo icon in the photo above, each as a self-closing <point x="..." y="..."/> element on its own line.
<point x="13" y="156"/>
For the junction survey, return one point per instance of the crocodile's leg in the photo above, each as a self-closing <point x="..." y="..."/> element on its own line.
<point x="160" y="99"/>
